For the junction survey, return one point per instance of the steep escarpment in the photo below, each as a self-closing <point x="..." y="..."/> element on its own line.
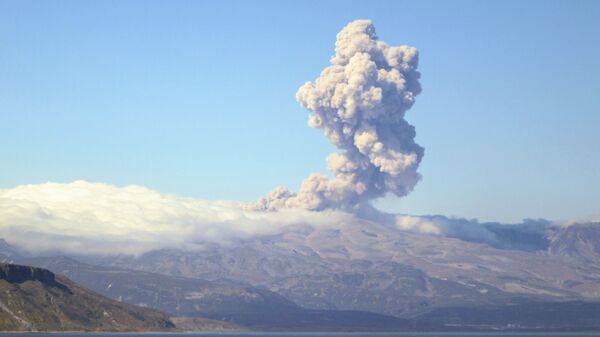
<point x="35" y="299"/>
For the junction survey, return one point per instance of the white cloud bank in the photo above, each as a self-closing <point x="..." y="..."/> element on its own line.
<point x="96" y="218"/>
<point x="101" y="219"/>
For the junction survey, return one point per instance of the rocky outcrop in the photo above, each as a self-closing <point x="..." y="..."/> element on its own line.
<point x="13" y="273"/>
<point x="35" y="299"/>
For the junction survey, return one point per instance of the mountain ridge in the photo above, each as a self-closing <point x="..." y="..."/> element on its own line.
<point x="366" y="267"/>
<point x="35" y="299"/>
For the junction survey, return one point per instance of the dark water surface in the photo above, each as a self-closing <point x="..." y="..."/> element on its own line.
<point x="309" y="334"/>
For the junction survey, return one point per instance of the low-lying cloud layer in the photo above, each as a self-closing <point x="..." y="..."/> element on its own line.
<point x="95" y="218"/>
<point x="360" y="102"/>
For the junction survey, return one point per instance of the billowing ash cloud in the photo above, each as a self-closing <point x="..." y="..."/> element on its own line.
<point x="360" y="102"/>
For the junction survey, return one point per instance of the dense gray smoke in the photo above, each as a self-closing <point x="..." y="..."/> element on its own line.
<point x="360" y="102"/>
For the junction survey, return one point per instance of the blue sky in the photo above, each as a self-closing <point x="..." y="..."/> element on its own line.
<point x="197" y="98"/>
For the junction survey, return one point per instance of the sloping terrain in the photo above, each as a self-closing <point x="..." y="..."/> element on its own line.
<point x="580" y="242"/>
<point x="377" y="268"/>
<point x="34" y="299"/>
<point x="176" y="295"/>
<point x="338" y="276"/>
<point x="187" y="298"/>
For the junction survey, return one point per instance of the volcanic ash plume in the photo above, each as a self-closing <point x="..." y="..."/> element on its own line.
<point x="360" y="102"/>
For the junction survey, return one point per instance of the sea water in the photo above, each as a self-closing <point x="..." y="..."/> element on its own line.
<point x="306" y="334"/>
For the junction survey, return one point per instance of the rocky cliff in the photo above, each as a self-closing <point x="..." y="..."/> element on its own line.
<point x="35" y="299"/>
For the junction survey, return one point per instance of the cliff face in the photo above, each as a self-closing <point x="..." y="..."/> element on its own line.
<point x="13" y="273"/>
<point x="34" y="299"/>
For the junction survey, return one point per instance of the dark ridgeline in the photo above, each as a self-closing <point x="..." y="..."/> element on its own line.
<point x="34" y="299"/>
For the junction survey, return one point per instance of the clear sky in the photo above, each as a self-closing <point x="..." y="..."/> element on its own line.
<point x="197" y="98"/>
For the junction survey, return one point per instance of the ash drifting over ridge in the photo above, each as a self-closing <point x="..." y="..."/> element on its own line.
<point x="360" y="102"/>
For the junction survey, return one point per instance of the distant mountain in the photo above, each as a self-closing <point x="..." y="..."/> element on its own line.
<point x="351" y="274"/>
<point x="8" y="253"/>
<point x="244" y="306"/>
<point x="176" y="295"/>
<point x="580" y="241"/>
<point x="34" y="299"/>
<point x="377" y="268"/>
